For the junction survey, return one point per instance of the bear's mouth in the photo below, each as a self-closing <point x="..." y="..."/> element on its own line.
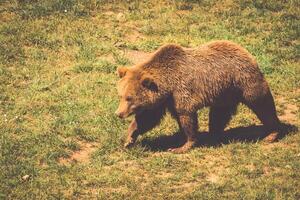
<point x="135" y="111"/>
<point x="130" y="113"/>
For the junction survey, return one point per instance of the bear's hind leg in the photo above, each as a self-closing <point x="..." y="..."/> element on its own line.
<point x="189" y="125"/>
<point x="219" y="117"/>
<point x="265" y="110"/>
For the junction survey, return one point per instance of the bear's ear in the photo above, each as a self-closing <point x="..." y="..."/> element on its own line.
<point x="121" y="71"/>
<point x="149" y="83"/>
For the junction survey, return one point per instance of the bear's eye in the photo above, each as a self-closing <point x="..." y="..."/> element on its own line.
<point x="129" y="98"/>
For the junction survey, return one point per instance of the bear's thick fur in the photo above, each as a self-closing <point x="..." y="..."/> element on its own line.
<point x="219" y="74"/>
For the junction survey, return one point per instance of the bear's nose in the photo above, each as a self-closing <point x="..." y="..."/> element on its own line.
<point x="119" y="114"/>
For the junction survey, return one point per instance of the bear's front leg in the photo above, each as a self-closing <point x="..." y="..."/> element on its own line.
<point x="143" y="122"/>
<point x="132" y="134"/>
<point x="189" y="125"/>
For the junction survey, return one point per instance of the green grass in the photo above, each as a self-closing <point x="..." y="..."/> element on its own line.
<point x="57" y="93"/>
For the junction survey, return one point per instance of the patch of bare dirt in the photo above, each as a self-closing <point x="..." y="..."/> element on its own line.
<point x="82" y="155"/>
<point x="290" y="111"/>
<point x="186" y="187"/>
<point x="137" y="56"/>
<point x="133" y="56"/>
<point x="134" y="36"/>
<point x="217" y="168"/>
<point x="163" y="175"/>
<point x="213" y="178"/>
<point x="108" y="13"/>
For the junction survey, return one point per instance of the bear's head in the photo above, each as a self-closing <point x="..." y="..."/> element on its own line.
<point x="138" y="90"/>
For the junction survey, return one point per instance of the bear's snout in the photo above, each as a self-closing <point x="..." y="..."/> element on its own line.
<point x="120" y="114"/>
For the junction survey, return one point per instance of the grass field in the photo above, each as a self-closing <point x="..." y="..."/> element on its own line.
<point x="60" y="139"/>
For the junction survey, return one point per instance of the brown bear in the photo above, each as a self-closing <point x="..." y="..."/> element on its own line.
<point x="219" y="74"/>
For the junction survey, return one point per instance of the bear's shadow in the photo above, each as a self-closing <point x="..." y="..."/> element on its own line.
<point x="251" y="133"/>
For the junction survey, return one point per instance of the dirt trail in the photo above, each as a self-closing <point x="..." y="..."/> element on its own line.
<point x="82" y="155"/>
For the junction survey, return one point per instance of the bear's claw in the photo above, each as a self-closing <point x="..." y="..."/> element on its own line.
<point x="128" y="144"/>
<point x="272" y="137"/>
<point x="187" y="146"/>
<point x="178" y="150"/>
